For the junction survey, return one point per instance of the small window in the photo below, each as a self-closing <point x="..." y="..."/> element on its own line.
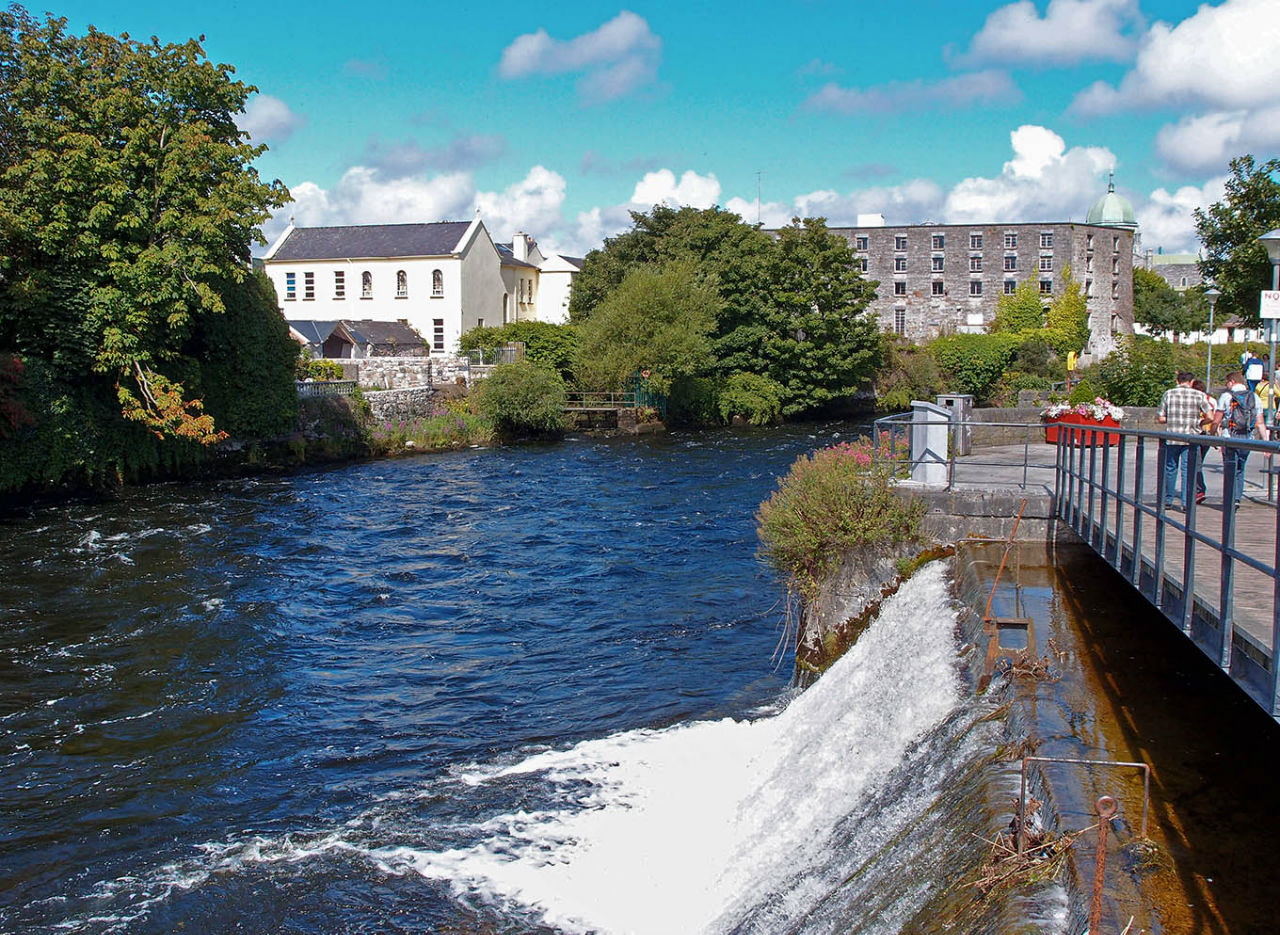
<point x="1088" y="242"/>
<point x="899" y="321"/>
<point x="899" y="288"/>
<point x="1011" y="262"/>
<point x="939" y="288"/>
<point x="437" y="334"/>
<point x="1088" y="263"/>
<point x="1115" y="289"/>
<point x="862" y="263"/>
<point x="437" y="284"/>
<point x="975" y="287"/>
<point x="290" y="287"/>
<point x="1184" y="282"/>
<point x="1115" y="244"/>
<point x="308" y="287"/>
<point x="900" y="242"/>
<point x="900" y="264"/>
<point x="366" y="285"/>
<point x="1046" y="240"/>
<point x="479" y="322"/>
<point x="402" y="284"/>
<point x="938" y="264"/>
<point x="939" y="241"/>
<point x="975" y="241"/>
<point x="1011" y="241"/>
<point x="975" y="264"/>
<point x="1046" y="264"/>
<point x="1088" y="288"/>
<point x="1010" y="286"/>
<point x="339" y="284"/>
<point x="1046" y="287"/>
<point x="860" y="243"/>
<point x="1115" y="265"/>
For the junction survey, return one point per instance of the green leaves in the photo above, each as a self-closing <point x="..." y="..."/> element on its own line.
<point x="1163" y="309"/>
<point x="1234" y="260"/>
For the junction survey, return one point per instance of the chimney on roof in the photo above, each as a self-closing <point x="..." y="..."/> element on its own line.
<point x="520" y="246"/>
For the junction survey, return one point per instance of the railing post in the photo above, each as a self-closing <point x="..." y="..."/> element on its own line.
<point x="1077" y="439"/>
<point x="1139" y="475"/>
<point x="1162" y="482"/>
<point x="1226" y="584"/>
<point x="1093" y="485"/>
<point x="1189" y="542"/>
<point x="1121" y="457"/>
<point x="1102" y="494"/>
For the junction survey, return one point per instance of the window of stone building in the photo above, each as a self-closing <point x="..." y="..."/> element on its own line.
<point x="1184" y="282"/>
<point x="1115" y="244"/>
<point x="938" y="264"/>
<point x="1046" y="287"/>
<point x="862" y="262"/>
<point x="1010" y="286"/>
<point x="899" y="264"/>
<point x="290" y="287"/>
<point x="339" y="284"/>
<point x="899" y="241"/>
<point x="1046" y="264"/>
<point x="860" y="243"/>
<point x="1088" y="242"/>
<point x="899" y="288"/>
<point x="1046" y="240"/>
<point x="308" y="287"/>
<point x="437" y="284"/>
<point x="402" y="284"/>
<point x="1011" y="262"/>
<point x="1088" y="288"/>
<point x="939" y="241"/>
<point x="975" y="287"/>
<point x="1115" y="289"/>
<point x="939" y="288"/>
<point x="366" y="285"/>
<point x="437" y="334"/>
<point x="975" y="264"/>
<point x="975" y="241"/>
<point x="899" y="321"/>
<point x="1088" y="263"/>
<point x="1115" y="265"/>
<point x="1011" y="241"/>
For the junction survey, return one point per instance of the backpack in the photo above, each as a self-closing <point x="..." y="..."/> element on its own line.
<point x="1241" y="414"/>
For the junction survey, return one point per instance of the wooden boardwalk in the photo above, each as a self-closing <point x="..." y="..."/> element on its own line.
<point x="1162" y="569"/>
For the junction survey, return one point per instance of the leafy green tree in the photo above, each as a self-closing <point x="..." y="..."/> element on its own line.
<point x="1163" y="309"/>
<point x="658" y="319"/>
<point x="522" y="398"/>
<point x="553" y="346"/>
<point x="973" y="363"/>
<point x="1137" y="373"/>
<point x="1022" y="310"/>
<point x="749" y="396"/>
<point x="1067" y="321"/>
<point x="127" y="202"/>
<point x="821" y="346"/>
<point x="1234" y="260"/>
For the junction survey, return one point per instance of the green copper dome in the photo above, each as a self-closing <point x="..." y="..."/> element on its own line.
<point x="1112" y="210"/>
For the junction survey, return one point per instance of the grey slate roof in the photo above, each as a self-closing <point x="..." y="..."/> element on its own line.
<point x="316" y="332"/>
<point x="372" y="241"/>
<point x="574" y="260"/>
<point x="507" y="258"/>
<point x="381" y="333"/>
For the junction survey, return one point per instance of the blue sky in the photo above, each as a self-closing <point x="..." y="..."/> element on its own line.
<point x="557" y="120"/>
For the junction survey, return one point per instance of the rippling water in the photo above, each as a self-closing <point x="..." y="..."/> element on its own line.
<point x="218" y="700"/>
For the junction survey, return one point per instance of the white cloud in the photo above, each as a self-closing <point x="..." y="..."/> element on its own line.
<point x="1222" y="58"/>
<point x="466" y="151"/>
<point x="1204" y="142"/>
<point x="1043" y="181"/>
<point x="531" y="205"/>
<point x="661" y="187"/>
<point x="1165" y="219"/>
<point x="771" y="213"/>
<point x="615" y="59"/>
<point x="983" y="87"/>
<point x="268" y="118"/>
<point x="1070" y="31"/>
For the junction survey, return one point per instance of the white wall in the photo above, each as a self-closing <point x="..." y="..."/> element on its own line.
<point x="553" y="295"/>
<point x="482" y="286"/>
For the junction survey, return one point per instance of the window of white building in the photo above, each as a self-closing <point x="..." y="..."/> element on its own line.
<point x="402" y="284"/>
<point x="290" y="287"/>
<point x="339" y="284"/>
<point x="437" y="284"/>
<point x="366" y="285"/>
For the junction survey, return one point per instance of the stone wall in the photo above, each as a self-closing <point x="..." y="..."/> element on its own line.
<point x="402" y="405"/>
<point x="394" y="373"/>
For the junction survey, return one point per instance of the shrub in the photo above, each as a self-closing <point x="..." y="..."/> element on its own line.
<point x="311" y="369"/>
<point x="694" y="401"/>
<point x="911" y="372"/>
<point x="755" y="398"/>
<point x="1137" y="373"/>
<point x="449" y="426"/>
<point x="1083" y="392"/>
<point x="553" y="346"/>
<point x="829" y="502"/>
<point x="974" y="362"/>
<point x="521" y="399"/>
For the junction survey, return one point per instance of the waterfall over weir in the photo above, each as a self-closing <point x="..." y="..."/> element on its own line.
<point x="792" y="821"/>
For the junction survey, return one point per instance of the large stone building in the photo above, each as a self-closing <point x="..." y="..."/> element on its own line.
<point x="943" y="278"/>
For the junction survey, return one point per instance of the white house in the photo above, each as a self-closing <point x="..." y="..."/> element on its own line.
<point x="442" y="278"/>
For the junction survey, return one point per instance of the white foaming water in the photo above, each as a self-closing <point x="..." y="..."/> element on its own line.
<point x="663" y="831"/>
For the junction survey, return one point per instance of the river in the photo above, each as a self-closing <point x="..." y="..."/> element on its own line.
<point x="516" y="690"/>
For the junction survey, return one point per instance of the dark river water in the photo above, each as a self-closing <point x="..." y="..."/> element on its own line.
<point x="522" y="690"/>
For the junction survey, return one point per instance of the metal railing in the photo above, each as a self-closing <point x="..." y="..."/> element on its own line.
<point x="310" y="388"/>
<point x="898" y="428"/>
<point x="580" y="402"/>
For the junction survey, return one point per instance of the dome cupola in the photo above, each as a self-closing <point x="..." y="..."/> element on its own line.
<point x="1112" y="210"/>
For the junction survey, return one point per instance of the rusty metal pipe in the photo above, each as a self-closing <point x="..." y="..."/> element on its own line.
<point x="1106" y="807"/>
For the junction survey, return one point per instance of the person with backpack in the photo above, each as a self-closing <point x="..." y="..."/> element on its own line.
<point x="1254" y="370"/>
<point x="1239" y="417"/>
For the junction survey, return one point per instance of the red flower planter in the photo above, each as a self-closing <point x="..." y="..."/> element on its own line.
<point x="1051" y="428"/>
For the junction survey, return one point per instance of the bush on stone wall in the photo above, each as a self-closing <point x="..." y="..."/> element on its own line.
<point x="974" y="363"/>
<point x="521" y="399"/>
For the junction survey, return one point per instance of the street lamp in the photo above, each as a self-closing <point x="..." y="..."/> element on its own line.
<point x="1211" y="294"/>
<point x="1271" y="240"/>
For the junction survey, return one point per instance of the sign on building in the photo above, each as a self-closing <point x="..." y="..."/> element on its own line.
<point x="1269" y="305"/>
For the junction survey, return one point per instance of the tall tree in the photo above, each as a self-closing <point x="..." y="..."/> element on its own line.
<point x="127" y="199"/>
<point x="1019" y="311"/>
<point x="1163" y="309"/>
<point x="1234" y="260"/>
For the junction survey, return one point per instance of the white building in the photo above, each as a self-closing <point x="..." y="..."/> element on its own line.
<point x="442" y="278"/>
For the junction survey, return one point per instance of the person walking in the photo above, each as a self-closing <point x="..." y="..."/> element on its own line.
<point x="1181" y="409"/>
<point x="1206" y="428"/>
<point x="1238" y="412"/>
<point x="1252" y="369"/>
